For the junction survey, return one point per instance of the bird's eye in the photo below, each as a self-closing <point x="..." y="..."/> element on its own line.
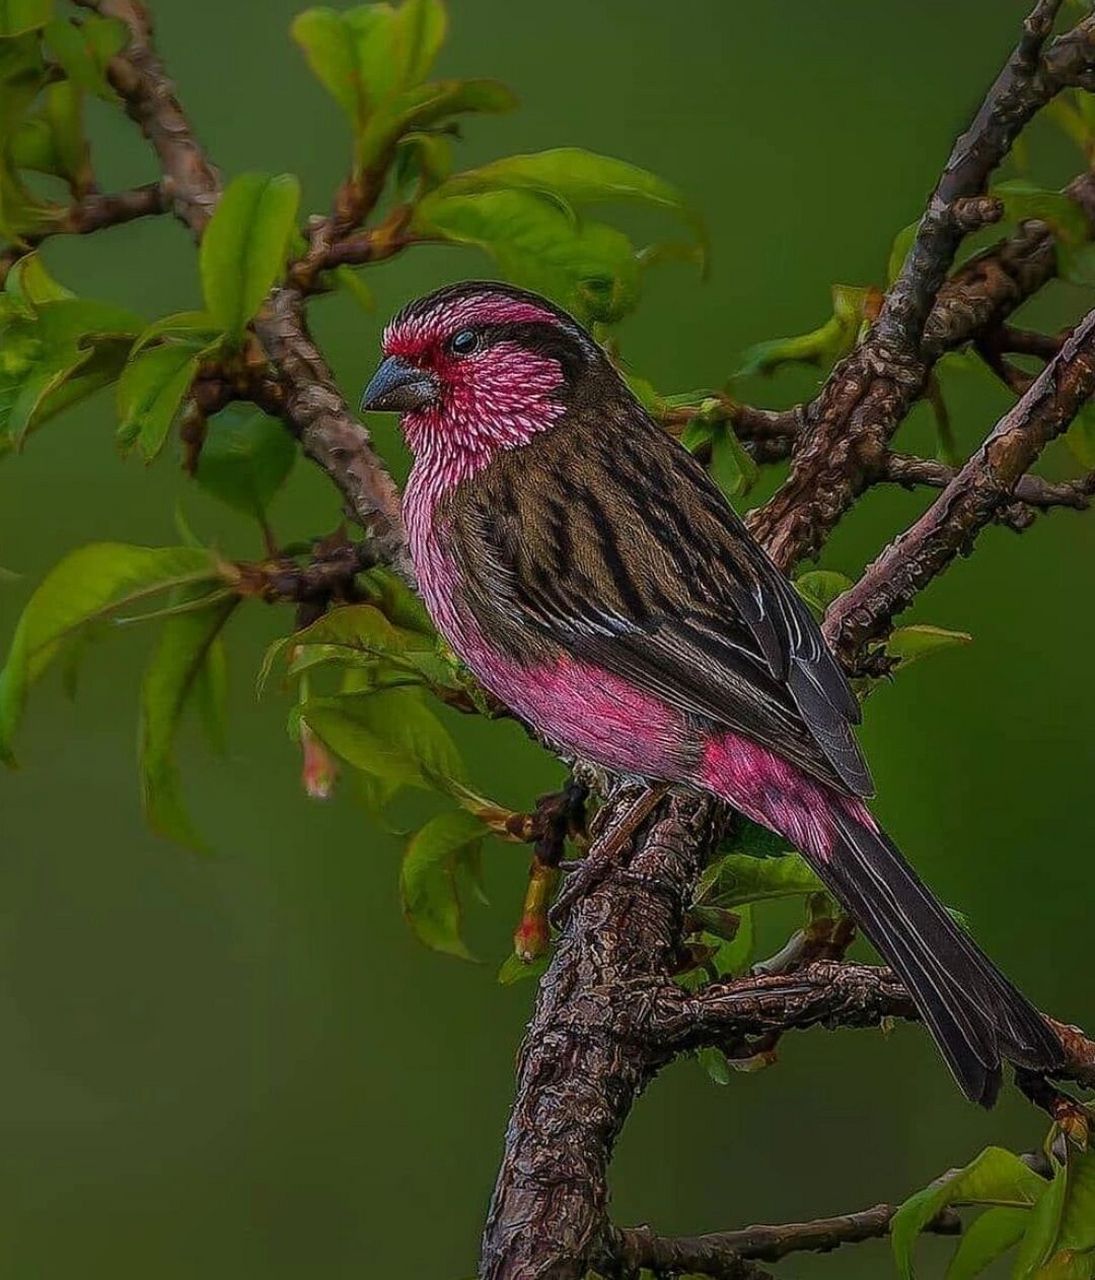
<point x="464" y="342"/>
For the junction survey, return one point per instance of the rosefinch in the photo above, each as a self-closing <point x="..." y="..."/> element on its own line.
<point x="592" y="576"/>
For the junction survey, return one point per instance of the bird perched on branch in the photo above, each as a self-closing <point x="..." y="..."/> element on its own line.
<point x="593" y="577"/>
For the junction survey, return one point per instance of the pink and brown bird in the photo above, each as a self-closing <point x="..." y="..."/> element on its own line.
<point x="593" y="577"/>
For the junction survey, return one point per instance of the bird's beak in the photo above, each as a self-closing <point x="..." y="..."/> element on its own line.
<point x="399" y="386"/>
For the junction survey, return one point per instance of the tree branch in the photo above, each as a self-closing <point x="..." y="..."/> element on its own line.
<point x="971" y="499"/>
<point x="588" y="1051"/>
<point x="91" y="213"/>
<point x="309" y="402"/>
<point x="1030" y="491"/>
<point x="723" y="1255"/>
<point x="191" y="183"/>
<point x="826" y="993"/>
<point x="302" y="392"/>
<point x="865" y="399"/>
<point x="1021" y="89"/>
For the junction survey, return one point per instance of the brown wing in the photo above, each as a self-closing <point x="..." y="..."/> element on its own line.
<point x="606" y="539"/>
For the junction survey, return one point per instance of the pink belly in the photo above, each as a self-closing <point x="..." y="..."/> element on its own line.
<point x="592" y="714"/>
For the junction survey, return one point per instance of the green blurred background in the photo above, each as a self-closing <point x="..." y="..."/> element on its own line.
<point x="245" y="1066"/>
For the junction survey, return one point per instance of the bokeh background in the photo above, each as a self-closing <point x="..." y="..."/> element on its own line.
<point x="245" y="1066"/>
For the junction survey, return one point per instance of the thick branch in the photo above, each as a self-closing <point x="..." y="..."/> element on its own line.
<point x="588" y="1053"/>
<point x="827" y="993"/>
<point x="191" y="183"/>
<point x="328" y="575"/>
<point x="309" y="401"/>
<point x="985" y="484"/>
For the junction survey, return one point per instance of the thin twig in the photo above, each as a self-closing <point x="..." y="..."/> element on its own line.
<point x="93" y="212"/>
<point x="1030" y="491"/>
<point x="718" y="1254"/>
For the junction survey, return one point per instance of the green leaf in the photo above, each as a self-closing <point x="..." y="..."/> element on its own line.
<point x="87" y="585"/>
<point x="63" y="112"/>
<point x="588" y="267"/>
<point x="373" y="59"/>
<point x="424" y="158"/>
<point x="1060" y="1240"/>
<point x="907" y="644"/>
<point x="347" y="630"/>
<point x="390" y="734"/>
<point x="1044" y="1228"/>
<point x="31" y="284"/>
<point x="197" y="327"/>
<point x="514" y="969"/>
<point x="644" y="391"/>
<point x="821" y="347"/>
<point x="245" y="245"/>
<point x="350" y="281"/>
<point x="83" y="51"/>
<point x="433" y="103"/>
<point x="172" y="680"/>
<point x="397" y="601"/>
<point x="698" y="434"/>
<point x="1023" y="200"/>
<point x="715" y="1063"/>
<point x="995" y="1177"/>
<point x="18" y="16"/>
<point x="245" y="459"/>
<point x="987" y="1238"/>
<point x="735" y="954"/>
<point x="418" y="32"/>
<point x="1066" y="111"/>
<point x="1080" y="436"/>
<point x="330" y="49"/>
<point x="57" y="343"/>
<point x="578" y="177"/>
<point x="1078" y="1219"/>
<point x="732" y="469"/>
<point x="151" y="392"/>
<point x="820" y="587"/>
<point x="740" y="878"/>
<point x="899" y="250"/>
<point x="428" y="879"/>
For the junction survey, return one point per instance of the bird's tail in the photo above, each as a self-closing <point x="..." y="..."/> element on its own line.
<point x="977" y="1017"/>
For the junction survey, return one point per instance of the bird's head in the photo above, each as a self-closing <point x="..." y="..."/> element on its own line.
<point x="478" y="367"/>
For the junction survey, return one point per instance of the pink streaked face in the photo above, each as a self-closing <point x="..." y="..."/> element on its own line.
<point x="464" y="369"/>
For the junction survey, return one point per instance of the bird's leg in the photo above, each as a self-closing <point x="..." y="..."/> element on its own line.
<point x="604" y="852"/>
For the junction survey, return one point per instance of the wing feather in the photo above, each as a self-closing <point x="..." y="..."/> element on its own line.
<point x="608" y="540"/>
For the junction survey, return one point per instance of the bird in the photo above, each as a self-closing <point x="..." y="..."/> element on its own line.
<point x="586" y="568"/>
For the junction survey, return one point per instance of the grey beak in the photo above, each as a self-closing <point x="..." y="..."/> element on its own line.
<point x="399" y="386"/>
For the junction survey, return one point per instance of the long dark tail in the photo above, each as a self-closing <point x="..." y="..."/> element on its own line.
<point x="977" y="1017"/>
